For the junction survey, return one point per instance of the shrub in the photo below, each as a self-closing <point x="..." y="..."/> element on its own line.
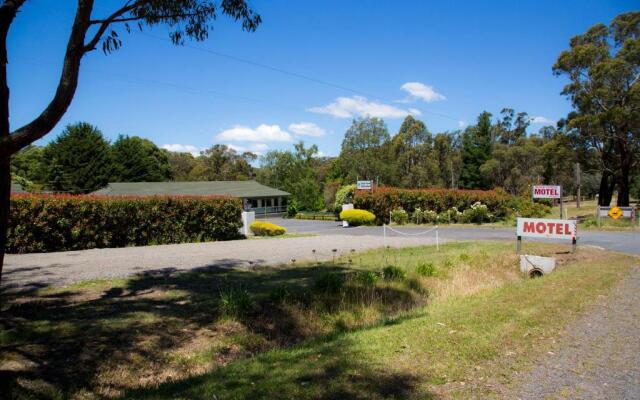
<point x="44" y="223"/>
<point x="417" y="216"/>
<point x="393" y="273"/>
<point x="235" y="302"/>
<point x="263" y="228"/>
<point x="451" y="215"/>
<point x="430" y="217"/>
<point x="367" y="278"/>
<point x="357" y="217"/>
<point x="426" y="269"/>
<point x="528" y="209"/>
<point x="343" y="195"/>
<point x="399" y="216"/>
<point x="383" y="200"/>
<point x="477" y="213"/>
<point x="330" y="282"/>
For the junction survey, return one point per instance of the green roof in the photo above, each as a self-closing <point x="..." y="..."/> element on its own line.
<point x="17" y="188"/>
<point x="240" y="189"/>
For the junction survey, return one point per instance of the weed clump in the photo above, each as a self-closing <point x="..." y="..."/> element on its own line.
<point x="367" y="278"/>
<point x="235" y="302"/>
<point x="393" y="273"/>
<point x="426" y="269"/>
<point x="330" y="282"/>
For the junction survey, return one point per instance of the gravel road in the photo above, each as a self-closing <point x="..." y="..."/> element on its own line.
<point x="62" y="268"/>
<point x="599" y="358"/>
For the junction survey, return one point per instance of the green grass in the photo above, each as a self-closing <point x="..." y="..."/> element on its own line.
<point x="329" y="330"/>
<point x="588" y="210"/>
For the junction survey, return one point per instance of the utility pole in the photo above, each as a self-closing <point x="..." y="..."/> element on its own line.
<point x="578" y="185"/>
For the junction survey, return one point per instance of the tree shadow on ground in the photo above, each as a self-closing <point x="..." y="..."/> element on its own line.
<point x="109" y="339"/>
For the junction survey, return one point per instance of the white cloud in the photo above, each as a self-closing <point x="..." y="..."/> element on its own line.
<point x="307" y="129"/>
<point x="415" y="111"/>
<point x="462" y="124"/>
<point x="348" y="107"/>
<point x="541" y="120"/>
<point x="258" y="148"/>
<point x="263" y="133"/>
<point x="420" y="91"/>
<point x="183" y="148"/>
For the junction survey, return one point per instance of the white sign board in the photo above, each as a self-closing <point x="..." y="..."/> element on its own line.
<point x="546" y="192"/>
<point x="547" y="228"/>
<point x="627" y="212"/>
<point x="364" y="185"/>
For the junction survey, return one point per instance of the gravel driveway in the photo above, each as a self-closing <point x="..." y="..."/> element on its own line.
<point x="62" y="268"/>
<point x="599" y="358"/>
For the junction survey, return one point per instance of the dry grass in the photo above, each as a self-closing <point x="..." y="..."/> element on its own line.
<point x="106" y="338"/>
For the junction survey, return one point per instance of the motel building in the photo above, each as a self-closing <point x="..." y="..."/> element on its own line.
<point x="255" y="197"/>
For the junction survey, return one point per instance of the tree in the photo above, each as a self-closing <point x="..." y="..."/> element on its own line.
<point x="511" y="127"/>
<point x="78" y="161"/>
<point x="476" y="150"/>
<point x="221" y="163"/>
<point x="188" y="18"/>
<point x="139" y="160"/>
<point x="296" y="173"/>
<point x="27" y="164"/>
<point x="415" y="164"/>
<point x="365" y="153"/>
<point x="515" y="167"/>
<point x="181" y="165"/>
<point x="603" y="67"/>
<point x="447" y="153"/>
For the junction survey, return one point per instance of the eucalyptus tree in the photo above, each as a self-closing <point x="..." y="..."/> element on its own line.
<point x="603" y="67"/>
<point x="187" y="19"/>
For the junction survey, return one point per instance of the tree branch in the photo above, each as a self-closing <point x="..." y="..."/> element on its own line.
<point x="65" y="91"/>
<point x="104" y="24"/>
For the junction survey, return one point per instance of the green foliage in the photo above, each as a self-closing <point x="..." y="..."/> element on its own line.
<point x="416" y="165"/>
<point x="451" y="215"/>
<point x="477" y="214"/>
<point x="426" y="269"/>
<point x="526" y="208"/>
<point x="263" y="228"/>
<point x="139" y="160"/>
<point x="235" y="302"/>
<point x="62" y="222"/>
<point x="295" y="172"/>
<point x="330" y="282"/>
<point x="77" y="161"/>
<point x="393" y="273"/>
<point x="602" y="66"/>
<point x="357" y="217"/>
<point x="476" y="150"/>
<point x="383" y="200"/>
<point x="344" y="195"/>
<point x="367" y="278"/>
<point x="365" y="151"/>
<point x="399" y="216"/>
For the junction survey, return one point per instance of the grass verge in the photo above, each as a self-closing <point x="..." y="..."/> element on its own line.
<point x="404" y="323"/>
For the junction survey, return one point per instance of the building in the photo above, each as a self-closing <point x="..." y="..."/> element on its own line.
<point x="255" y="197"/>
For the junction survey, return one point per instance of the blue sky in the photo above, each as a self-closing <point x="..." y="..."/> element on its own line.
<point x="444" y="62"/>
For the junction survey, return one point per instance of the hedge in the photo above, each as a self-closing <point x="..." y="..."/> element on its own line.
<point x="357" y="217"/>
<point x="263" y="228"/>
<point x="384" y="200"/>
<point x="42" y="223"/>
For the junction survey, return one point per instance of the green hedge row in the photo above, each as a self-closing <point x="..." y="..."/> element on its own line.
<point x="384" y="200"/>
<point x="61" y="222"/>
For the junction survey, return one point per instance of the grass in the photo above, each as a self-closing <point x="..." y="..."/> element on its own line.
<point x="333" y="330"/>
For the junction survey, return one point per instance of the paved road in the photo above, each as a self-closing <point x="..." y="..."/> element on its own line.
<point x="623" y="241"/>
<point x="62" y="268"/>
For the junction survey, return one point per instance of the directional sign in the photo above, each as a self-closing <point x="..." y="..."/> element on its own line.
<point x="615" y="212"/>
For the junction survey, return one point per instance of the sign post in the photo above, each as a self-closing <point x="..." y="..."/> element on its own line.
<point x="364" y="185"/>
<point x="547" y="229"/>
<point x="549" y="192"/>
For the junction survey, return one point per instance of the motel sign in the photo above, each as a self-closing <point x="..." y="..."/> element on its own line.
<point x="547" y="192"/>
<point x="547" y="229"/>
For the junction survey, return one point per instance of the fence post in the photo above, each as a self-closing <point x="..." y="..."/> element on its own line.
<point x="518" y="244"/>
<point x="437" y="240"/>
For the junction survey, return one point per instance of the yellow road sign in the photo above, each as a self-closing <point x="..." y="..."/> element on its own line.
<point x="615" y="212"/>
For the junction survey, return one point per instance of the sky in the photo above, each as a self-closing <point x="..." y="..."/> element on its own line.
<point x="309" y="69"/>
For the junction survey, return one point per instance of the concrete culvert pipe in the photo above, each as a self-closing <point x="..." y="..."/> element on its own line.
<point x="535" y="273"/>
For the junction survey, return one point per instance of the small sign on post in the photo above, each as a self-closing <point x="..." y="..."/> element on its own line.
<point x="549" y="192"/>
<point x="364" y="185"/>
<point x="547" y="229"/>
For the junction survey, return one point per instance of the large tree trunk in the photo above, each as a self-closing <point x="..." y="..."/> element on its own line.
<point x="605" y="193"/>
<point x="623" y="186"/>
<point x="5" y="192"/>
